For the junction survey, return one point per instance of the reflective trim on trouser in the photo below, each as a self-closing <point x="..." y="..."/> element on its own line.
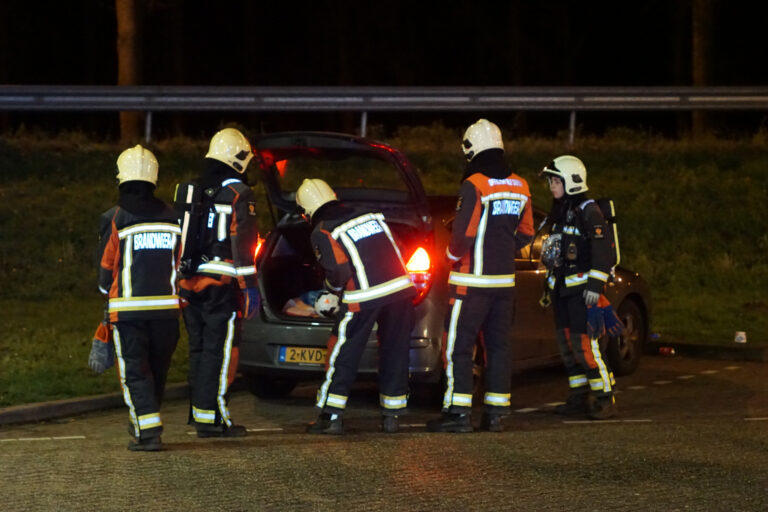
<point x="322" y="393"/>
<point x="337" y="401"/>
<point x="393" y="402"/>
<point x="214" y="330"/>
<point x="577" y="381"/>
<point x="224" y="372"/>
<point x="143" y="350"/>
<point x="203" y="416"/>
<point x="121" y="372"/>
<point x="450" y="345"/>
<point x="147" y="421"/>
<point x="497" y="399"/>
<point x="461" y="400"/>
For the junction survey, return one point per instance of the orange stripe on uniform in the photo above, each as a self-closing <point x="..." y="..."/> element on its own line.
<point x="586" y="346"/>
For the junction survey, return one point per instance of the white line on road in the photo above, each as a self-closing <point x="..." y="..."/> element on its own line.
<point x="709" y="372"/>
<point x="34" y="439"/>
<point x="590" y="422"/>
<point x="7" y="440"/>
<point x="271" y="429"/>
<point x="554" y="404"/>
<point x="414" y="425"/>
<point x="64" y="438"/>
<point x="755" y="419"/>
<point x="662" y="382"/>
<point x="527" y="409"/>
<point x="636" y="387"/>
<point x="638" y="421"/>
<point x="682" y="377"/>
<point x="732" y="367"/>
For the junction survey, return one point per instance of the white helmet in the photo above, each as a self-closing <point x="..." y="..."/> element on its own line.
<point x="327" y="304"/>
<point x="571" y="170"/>
<point x="314" y="193"/>
<point x="481" y="136"/>
<point x="232" y="148"/>
<point x="137" y="164"/>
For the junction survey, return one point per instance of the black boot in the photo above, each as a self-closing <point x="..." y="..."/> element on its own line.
<point x="602" y="408"/>
<point x="149" y="444"/>
<point x="451" y="422"/>
<point x="576" y="405"/>
<point x="390" y="424"/>
<point x="326" y="423"/>
<point x="491" y="422"/>
<point x="222" y="431"/>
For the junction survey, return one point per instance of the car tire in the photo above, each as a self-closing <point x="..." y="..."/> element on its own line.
<point x="268" y="387"/>
<point x="625" y="350"/>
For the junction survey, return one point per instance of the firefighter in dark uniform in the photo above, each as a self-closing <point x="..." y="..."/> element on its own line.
<point x="222" y="287"/>
<point x="139" y="247"/>
<point x="578" y="256"/>
<point x="493" y="221"/>
<point x="363" y="264"/>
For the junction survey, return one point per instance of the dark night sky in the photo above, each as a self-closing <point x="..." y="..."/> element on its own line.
<point x="414" y="43"/>
<point x="389" y="43"/>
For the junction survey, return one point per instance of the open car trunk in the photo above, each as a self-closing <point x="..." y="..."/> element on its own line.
<point x="289" y="270"/>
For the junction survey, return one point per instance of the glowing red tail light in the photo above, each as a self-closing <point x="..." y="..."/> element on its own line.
<point x="257" y="250"/>
<point x="419" y="266"/>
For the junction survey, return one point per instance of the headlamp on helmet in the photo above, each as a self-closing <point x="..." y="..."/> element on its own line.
<point x="229" y="146"/>
<point x="571" y="170"/>
<point x="312" y="194"/>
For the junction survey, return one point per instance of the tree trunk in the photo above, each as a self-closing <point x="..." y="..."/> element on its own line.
<point x="129" y="57"/>
<point x="701" y="33"/>
<point x="4" y="60"/>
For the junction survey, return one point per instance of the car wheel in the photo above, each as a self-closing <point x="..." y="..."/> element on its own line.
<point x="268" y="387"/>
<point x="625" y="350"/>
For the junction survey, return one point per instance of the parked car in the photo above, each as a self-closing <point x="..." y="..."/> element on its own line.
<point x="279" y="348"/>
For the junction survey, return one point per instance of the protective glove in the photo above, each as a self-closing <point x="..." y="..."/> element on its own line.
<point x="102" y="356"/>
<point x="251" y="300"/>
<point x="595" y="322"/>
<point x="613" y="323"/>
<point x="590" y="298"/>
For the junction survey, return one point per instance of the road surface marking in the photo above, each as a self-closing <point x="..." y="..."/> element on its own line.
<point x="708" y="372"/>
<point x="732" y="367"/>
<point x="34" y="439"/>
<point x="590" y="422"/>
<point x="414" y="425"/>
<point x="636" y="387"/>
<point x="527" y="409"/>
<point x="65" y="438"/>
<point x="554" y="404"/>
<point x="638" y="421"/>
<point x="7" y="440"/>
<point x="272" y="429"/>
<point x="755" y="419"/>
<point x="662" y="382"/>
<point x="681" y="377"/>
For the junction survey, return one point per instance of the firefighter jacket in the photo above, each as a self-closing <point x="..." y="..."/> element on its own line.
<point x="139" y="248"/>
<point x="493" y="220"/>
<point x="230" y="230"/>
<point x="360" y="257"/>
<point x="585" y="248"/>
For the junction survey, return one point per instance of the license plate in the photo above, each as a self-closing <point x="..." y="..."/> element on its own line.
<point x="303" y="355"/>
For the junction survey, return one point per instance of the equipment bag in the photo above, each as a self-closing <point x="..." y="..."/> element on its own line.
<point x="196" y="209"/>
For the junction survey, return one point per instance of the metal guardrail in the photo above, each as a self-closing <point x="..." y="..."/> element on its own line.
<point x="377" y="99"/>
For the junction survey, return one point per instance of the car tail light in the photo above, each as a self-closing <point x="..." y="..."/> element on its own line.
<point x="257" y="250"/>
<point x="420" y="268"/>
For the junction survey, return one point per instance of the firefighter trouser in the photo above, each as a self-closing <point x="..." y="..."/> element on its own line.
<point x="493" y="315"/>
<point x="213" y="326"/>
<point x="143" y="350"/>
<point x="587" y="369"/>
<point x="395" y="323"/>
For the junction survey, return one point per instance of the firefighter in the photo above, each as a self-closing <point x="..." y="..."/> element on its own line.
<point x="139" y="248"/>
<point x="363" y="265"/>
<point x="221" y="287"/>
<point x="493" y="221"/>
<point x="578" y="256"/>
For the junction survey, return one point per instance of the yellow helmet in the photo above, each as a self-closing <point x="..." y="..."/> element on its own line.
<point x="571" y="170"/>
<point x="481" y="136"/>
<point x="232" y="148"/>
<point x="314" y="193"/>
<point x="137" y="164"/>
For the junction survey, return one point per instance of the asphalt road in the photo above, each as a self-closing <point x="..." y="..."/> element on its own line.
<point x="692" y="435"/>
